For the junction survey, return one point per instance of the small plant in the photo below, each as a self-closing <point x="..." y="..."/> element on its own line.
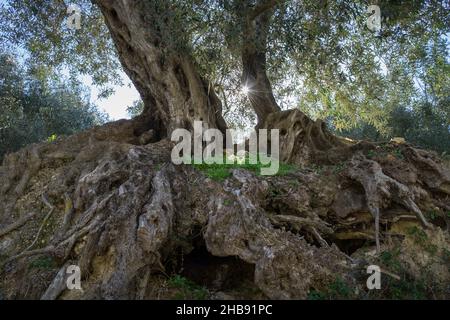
<point x="371" y="154"/>
<point x="390" y="259"/>
<point x="316" y="295"/>
<point x="188" y="290"/>
<point x="339" y="168"/>
<point x="44" y="263"/>
<point x="52" y="138"/>
<point x="398" y="154"/>
<point x="338" y="289"/>
<point x="317" y="169"/>
<point x="404" y="289"/>
<point x="417" y="234"/>
<point x="433" y="215"/>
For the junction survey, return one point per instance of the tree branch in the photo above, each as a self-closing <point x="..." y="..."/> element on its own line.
<point x="263" y="7"/>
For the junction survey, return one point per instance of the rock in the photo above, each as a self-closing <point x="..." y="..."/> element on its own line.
<point x="398" y="140"/>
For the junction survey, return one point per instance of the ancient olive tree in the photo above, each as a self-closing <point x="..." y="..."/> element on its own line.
<point x="110" y="201"/>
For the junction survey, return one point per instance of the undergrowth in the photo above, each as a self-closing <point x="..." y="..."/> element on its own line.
<point x="187" y="289"/>
<point x="337" y="290"/>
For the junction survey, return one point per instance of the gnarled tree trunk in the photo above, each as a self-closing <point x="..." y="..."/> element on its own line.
<point x="253" y="54"/>
<point x="174" y="93"/>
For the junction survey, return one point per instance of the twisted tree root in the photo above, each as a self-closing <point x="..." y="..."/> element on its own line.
<point x="52" y="208"/>
<point x="17" y="224"/>
<point x="57" y="286"/>
<point x="380" y="189"/>
<point x="299" y="223"/>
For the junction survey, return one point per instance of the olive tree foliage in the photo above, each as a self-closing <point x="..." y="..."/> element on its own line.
<point x="321" y="56"/>
<point x="32" y="110"/>
<point x="136" y="108"/>
<point x="39" y="29"/>
<point x="423" y="119"/>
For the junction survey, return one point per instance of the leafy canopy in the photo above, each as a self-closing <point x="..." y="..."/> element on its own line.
<point x="321" y="56"/>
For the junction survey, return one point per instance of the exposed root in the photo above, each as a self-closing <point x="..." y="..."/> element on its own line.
<point x="17" y="224"/>
<point x="380" y="190"/>
<point x="299" y="223"/>
<point x="431" y="170"/>
<point x="129" y="213"/>
<point x="248" y="234"/>
<point x="69" y="212"/>
<point x="69" y="242"/>
<point x="57" y="286"/>
<point x="44" y="221"/>
<point x="304" y="141"/>
<point x="46" y="250"/>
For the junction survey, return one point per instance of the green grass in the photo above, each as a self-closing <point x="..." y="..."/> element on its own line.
<point x="398" y="154"/>
<point x="220" y="172"/>
<point x="227" y="202"/>
<point x="187" y="289"/>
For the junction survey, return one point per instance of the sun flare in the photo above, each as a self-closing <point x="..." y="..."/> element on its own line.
<point x="245" y="90"/>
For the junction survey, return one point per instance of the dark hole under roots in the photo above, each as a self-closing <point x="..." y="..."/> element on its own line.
<point x="228" y="274"/>
<point x="351" y="245"/>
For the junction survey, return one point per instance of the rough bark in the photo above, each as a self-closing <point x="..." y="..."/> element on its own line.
<point x="253" y="54"/>
<point x="304" y="141"/>
<point x="174" y="93"/>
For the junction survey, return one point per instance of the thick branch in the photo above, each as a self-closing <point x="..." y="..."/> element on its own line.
<point x="263" y="7"/>
<point x="253" y="53"/>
